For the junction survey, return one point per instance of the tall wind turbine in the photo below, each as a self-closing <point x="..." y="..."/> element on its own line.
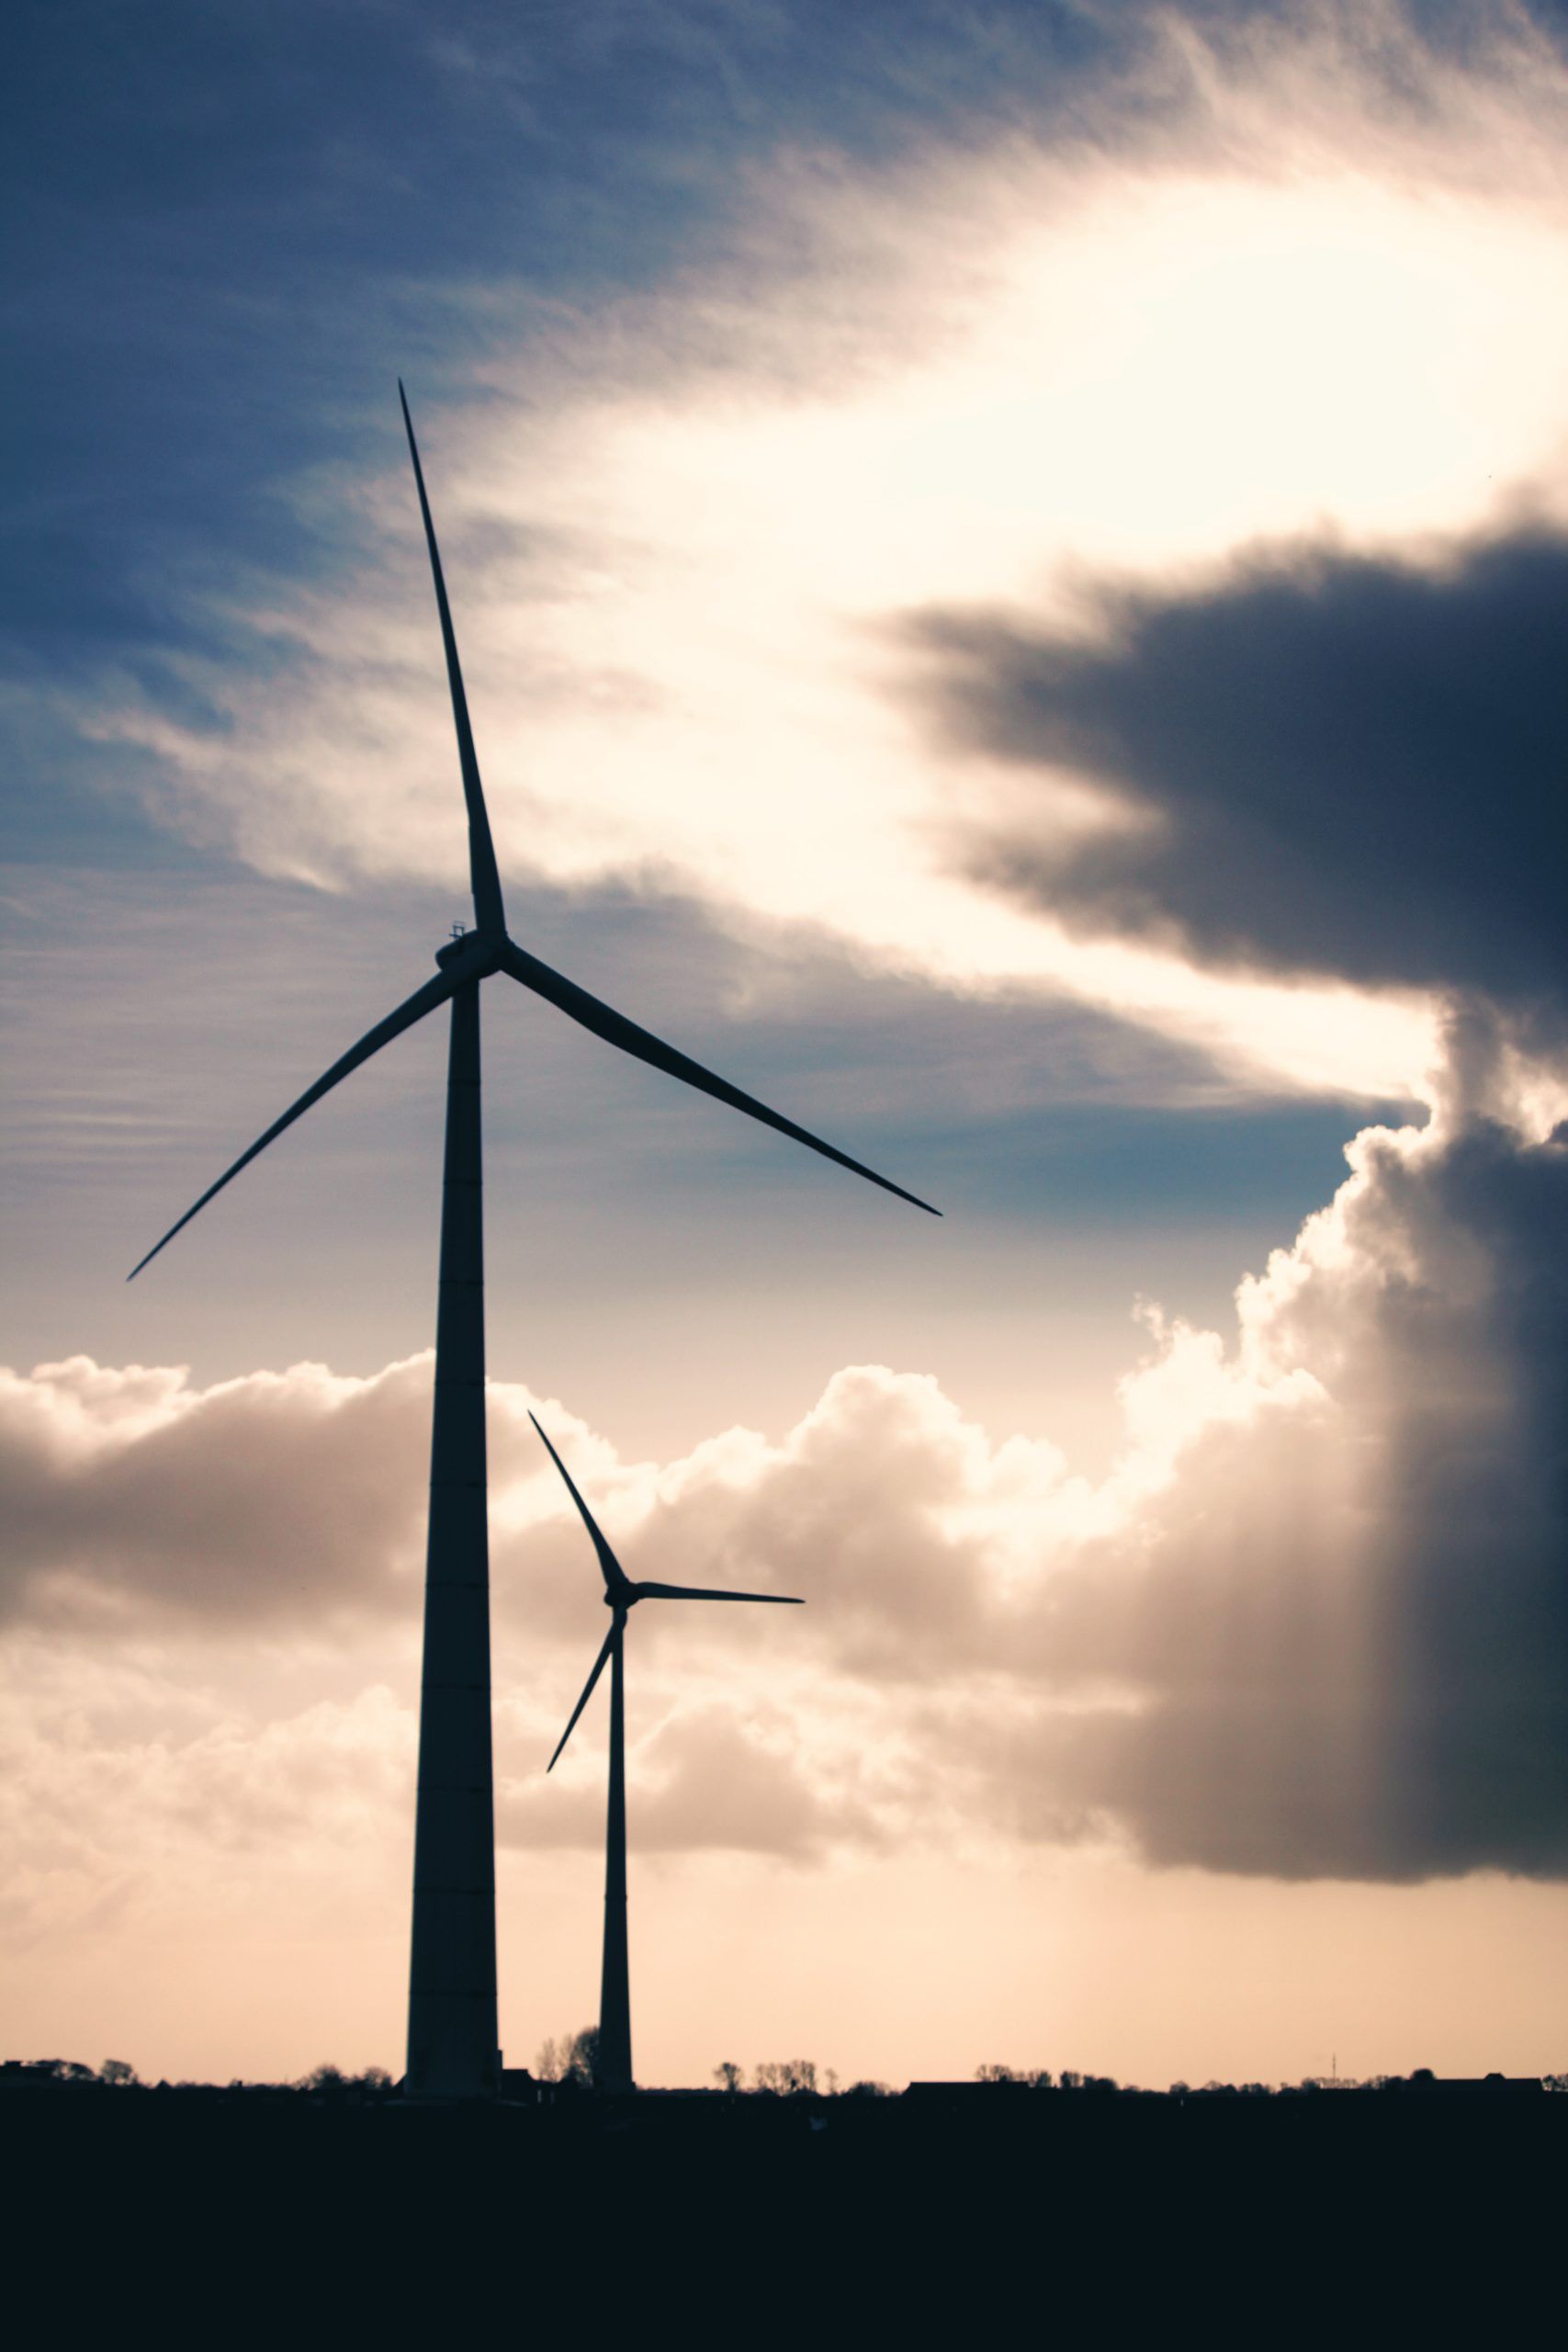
<point x="452" y="2050"/>
<point x="613" y="2066"/>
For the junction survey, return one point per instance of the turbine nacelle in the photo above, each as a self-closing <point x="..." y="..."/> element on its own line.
<point x="474" y="955"/>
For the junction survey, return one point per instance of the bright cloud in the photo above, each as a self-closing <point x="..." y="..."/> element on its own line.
<point x="680" y="533"/>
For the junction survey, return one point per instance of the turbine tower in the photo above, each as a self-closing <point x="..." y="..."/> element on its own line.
<point x="452" y="2046"/>
<point x="612" y="2066"/>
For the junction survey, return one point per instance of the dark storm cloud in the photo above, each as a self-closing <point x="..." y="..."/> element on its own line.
<point x="1478" y="1738"/>
<point x="1329" y="763"/>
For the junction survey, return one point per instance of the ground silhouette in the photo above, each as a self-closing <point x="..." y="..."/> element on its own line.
<point x="335" y="2212"/>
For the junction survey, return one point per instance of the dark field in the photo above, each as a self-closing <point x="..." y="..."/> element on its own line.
<point x="1112" y="2213"/>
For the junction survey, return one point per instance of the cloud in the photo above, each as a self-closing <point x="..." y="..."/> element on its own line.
<point x="1261" y="279"/>
<point x="1319" y="763"/>
<point x="265" y="1500"/>
<point x="726" y="1781"/>
<point x="1344" y="1617"/>
<point x="1311" y="1624"/>
<point x="130" y="1788"/>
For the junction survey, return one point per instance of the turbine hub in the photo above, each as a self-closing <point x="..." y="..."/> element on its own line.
<point x="476" y="947"/>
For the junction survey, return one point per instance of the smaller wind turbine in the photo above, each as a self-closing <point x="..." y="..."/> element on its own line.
<point x="613" y="2066"/>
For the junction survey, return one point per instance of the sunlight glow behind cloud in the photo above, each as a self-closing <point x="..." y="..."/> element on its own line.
<point x="681" y="534"/>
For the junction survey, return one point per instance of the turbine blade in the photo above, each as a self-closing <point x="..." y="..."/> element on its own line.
<point x="615" y="1578"/>
<point x="701" y="1592"/>
<point x="488" y="913"/>
<point x="616" y="1030"/>
<point x="415" y="1008"/>
<point x="587" y="1694"/>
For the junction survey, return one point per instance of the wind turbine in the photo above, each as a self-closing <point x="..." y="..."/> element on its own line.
<point x="452" y="2050"/>
<point x="613" y="2066"/>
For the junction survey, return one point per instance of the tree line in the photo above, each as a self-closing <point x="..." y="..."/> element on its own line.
<point x="569" y="2061"/>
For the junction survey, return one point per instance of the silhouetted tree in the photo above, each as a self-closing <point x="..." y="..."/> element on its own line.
<point x="570" y="2059"/>
<point x="115" y="2070"/>
<point x="786" y="2078"/>
<point x="727" y="2075"/>
<point x="995" y="2074"/>
<point x="331" y="2082"/>
<point x="868" y="2090"/>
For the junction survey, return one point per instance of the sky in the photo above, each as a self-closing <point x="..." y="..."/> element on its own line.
<point x="1011" y="563"/>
